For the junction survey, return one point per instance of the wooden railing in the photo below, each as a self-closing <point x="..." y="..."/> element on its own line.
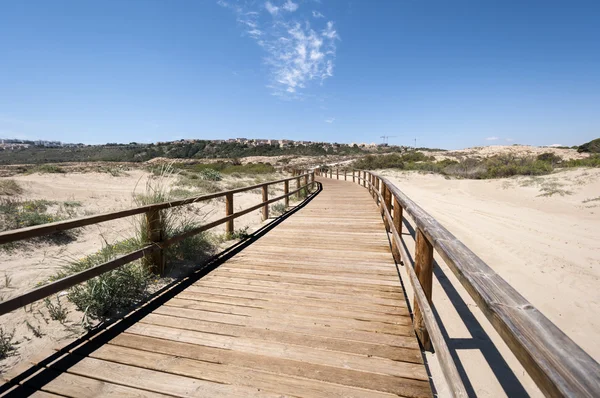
<point x="556" y="363"/>
<point x="157" y="242"/>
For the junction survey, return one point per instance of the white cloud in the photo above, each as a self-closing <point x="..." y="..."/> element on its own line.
<point x="492" y="138"/>
<point x="330" y="120"/>
<point x="329" y="31"/>
<point x="296" y="52"/>
<point x="317" y="14"/>
<point x="290" y="6"/>
<point x="555" y="145"/>
<point x="273" y="10"/>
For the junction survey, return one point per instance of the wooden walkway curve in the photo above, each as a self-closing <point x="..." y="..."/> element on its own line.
<point x="314" y="308"/>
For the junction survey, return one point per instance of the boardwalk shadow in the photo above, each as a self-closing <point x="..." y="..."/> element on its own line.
<point x="34" y="378"/>
<point x="479" y="341"/>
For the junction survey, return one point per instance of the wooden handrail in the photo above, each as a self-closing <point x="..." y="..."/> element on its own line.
<point x="556" y="363"/>
<point x="45" y="229"/>
<point x="148" y="252"/>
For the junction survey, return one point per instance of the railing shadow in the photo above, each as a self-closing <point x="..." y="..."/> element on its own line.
<point x="480" y="340"/>
<point x="33" y="379"/>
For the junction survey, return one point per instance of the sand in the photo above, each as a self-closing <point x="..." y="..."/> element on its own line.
<point x="98" y="193"/>
<point x="514" y="150"/>
<point x="546" y="247"/>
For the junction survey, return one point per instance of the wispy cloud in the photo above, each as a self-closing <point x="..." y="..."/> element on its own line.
<point x="330" y="120"/>
<point x="509" y="140"/>
<point x="492" y="138"/>
<point x="290" y="6"/>
<point x="297" y="52"/>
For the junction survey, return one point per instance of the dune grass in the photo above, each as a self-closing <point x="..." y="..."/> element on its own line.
<point x="113" y="293"/>
<point x="10" y="188"/>
<point x="498" y="166"/>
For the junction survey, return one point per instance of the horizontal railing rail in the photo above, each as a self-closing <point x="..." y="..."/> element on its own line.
<point x="556" y="363"/>
<point x="153" y="251"/>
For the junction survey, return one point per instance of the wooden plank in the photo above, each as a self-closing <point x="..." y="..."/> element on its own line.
<point x="404" y="348"/>
<point x="424" y="272"/>
<point x="282" y="309"/>
<point x="229" y="228"/>
<point x="71" y="385"/>
<point x="286" y="351"/>
<point x="205" y="310"/>
<point x="372" y="305"/>
<point x="372" y="381"/>
<point x="159" y="382"/>
<point x="230" y="375"/>
<point x="154" y="261"/>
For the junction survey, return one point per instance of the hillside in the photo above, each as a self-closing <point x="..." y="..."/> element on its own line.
<point x="175" y="150"/>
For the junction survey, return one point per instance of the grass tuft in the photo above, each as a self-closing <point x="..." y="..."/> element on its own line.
<point x="278" y="209"/>
<point x="7" y="345"/>
<point x="10" y="188"/>
<point x="56" y="310"/>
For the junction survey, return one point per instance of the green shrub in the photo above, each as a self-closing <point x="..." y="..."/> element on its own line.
<point x="56" y="310"/>
<point x="7" y="345"/>
<point x="592" y="161"/>
<point x="590" y="147"/>
<point x="210" y="175"/>
<point x="15" y="214"/>
<point x="549" y="157"/>
<point x="46" y="168"/>
<point x="111" y="294"/>
<point x="278" y="209"/>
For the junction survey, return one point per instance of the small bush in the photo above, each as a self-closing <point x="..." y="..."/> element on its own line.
<point x="15" y="214"/>
<point x="592" y="161"/>
<point x="46" y="168"/>
<point x="241" y="233"/>
<point x="590" y="147"/>
<point x="278" y="209"/>
<point x="210" y="175"/>
<point x="549" y="157"/>
<point x="7" y="345"/>
<point x="36" y="330"/>
<point x="10" y="188"/>
<point x="111" y="294"/>
<point x="57" y="311"/>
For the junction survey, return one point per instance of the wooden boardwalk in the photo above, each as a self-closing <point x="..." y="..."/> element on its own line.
<point x="314" y="308"/>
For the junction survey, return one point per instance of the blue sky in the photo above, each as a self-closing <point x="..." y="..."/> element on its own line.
<point x="450" y="73"/>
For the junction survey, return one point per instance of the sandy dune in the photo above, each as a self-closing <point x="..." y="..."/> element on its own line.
<point x="547" y="247"/>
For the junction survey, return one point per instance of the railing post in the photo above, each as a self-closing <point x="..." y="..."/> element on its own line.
<point x="387" y="203"/>
<point x="313" y="180"/>
<point x="265" y="197"/>
<point x="306" y="182"/>
<point x="337" y="173"/>
<point x="331" y="173"/>
<point x="397" y="220"/>
<point x="297" y="188"/>
<point x="424" y="271"/>
<point x="228" y="212"/>
<point x="154" y="261"/>
<point x="364" y="181"/>
<point x="286" y="190"/>
<point x="345" y="175"/>
<point x="353" y="179"/>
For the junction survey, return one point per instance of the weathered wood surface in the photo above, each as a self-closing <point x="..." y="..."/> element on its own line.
<point x="297" y="313"/>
